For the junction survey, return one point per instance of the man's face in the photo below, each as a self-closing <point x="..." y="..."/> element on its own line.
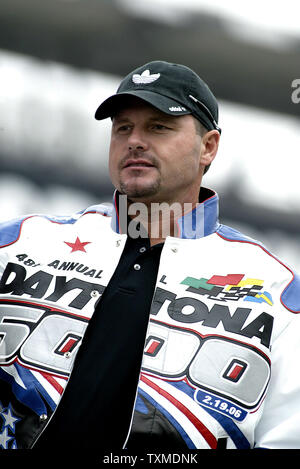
<point x="154" y="156"/>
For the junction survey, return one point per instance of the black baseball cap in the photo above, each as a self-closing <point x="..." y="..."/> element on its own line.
<point x="172" y="88"/>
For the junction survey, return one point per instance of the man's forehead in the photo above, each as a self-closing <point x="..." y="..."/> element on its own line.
<point x="133" y="105"/>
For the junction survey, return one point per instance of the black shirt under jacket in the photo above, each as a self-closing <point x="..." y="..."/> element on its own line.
<point x="96" y="408"/>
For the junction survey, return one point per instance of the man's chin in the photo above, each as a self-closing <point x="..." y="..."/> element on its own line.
<point x="138" y="192"/>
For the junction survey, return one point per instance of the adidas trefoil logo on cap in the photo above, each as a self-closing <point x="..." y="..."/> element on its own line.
<point x="145" y="77"/>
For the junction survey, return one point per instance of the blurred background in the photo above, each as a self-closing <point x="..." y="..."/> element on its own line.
<point x="60" y="58"/>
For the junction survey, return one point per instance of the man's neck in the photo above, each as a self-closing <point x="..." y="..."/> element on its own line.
<point x="158" y="220"/>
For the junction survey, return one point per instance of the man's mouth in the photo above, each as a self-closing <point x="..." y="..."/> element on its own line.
<point x="137" y="163"/>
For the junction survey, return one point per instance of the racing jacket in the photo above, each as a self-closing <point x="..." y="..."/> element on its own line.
<point x="223" y="343"/>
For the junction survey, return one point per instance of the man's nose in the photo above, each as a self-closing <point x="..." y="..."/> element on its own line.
<point x="137" y="140"/>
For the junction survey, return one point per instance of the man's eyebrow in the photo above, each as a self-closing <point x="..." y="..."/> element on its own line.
<point x="162" y="117"/>
<point x="120" y="118"/>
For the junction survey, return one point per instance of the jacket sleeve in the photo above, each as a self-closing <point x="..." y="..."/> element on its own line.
<point x="9" y="233"/>
<point x="279" y="426"/>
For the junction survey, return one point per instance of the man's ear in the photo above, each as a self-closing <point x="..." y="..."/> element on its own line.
<point x="209" y="147"/>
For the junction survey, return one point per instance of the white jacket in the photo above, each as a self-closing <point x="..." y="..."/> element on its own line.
<point x="223" y="343"/>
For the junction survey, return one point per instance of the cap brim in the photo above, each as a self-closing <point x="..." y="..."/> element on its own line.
<point x="111" y="105"/>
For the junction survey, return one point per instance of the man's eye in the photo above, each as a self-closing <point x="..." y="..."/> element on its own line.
<point x="123" y="128"/>
<point x="160" y="127"/>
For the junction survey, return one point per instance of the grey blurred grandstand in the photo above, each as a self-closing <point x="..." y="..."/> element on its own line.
<point x="60" y="58"/>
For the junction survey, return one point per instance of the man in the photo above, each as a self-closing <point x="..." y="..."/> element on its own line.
<point x="148" y="325"/>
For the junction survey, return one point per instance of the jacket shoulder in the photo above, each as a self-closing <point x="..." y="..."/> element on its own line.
<point x="231" y="234"/>
<point x="10" y="230"/>
<point x="290" y="296"/>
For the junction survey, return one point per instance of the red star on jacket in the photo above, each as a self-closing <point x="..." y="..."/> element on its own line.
<point x="78" y="245"/>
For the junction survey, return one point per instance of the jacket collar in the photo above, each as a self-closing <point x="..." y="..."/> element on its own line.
<point x="199" y="222"/>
